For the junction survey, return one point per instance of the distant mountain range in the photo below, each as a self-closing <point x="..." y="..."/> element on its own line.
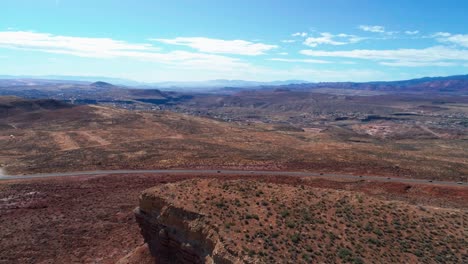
<point x="457" y="84"/>
<point x="221" y="83"/>
<point x="68" y="79"/>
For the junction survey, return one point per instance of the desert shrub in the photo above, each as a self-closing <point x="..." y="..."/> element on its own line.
<point x="344" y="253"/>
<point x="418" y="253"/>
<point x="368" y="227"/>
<point x="291" y="224"/>
<point x="295" y="238"/>
<point x="252" y="216"/>
<point x="220" y="204"/>
<point x="358" y="261"/>
<point x="374" y="241"/>
<point x="378" y="232"/>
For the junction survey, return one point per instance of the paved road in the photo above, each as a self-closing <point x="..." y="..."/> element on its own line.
<point x="234" y="172"/>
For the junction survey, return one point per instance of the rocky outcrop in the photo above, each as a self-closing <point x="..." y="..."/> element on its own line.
<point x="11" y="106"/>
<point x="177" y="235"/>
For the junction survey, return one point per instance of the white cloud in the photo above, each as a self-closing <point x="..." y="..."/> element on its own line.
<point x="299" y="34"/>
<point x="375" y="29"/>
<point x="428" y="54"/>
<point x="79" y="46"/>
<point x="288" y="40"/>
<point x="417" y="64"/>
<point x="283" y="53"/>
<point x="300" y="60"/>
<point x="330" y="39"/>
<point x="173" y="65"/>
<point x="414" y="32"/>
<point x="437" y="54"/>
<point x="209" y="45"/>
<point x="442" y="34"/>
<point x="109" y="48"/>
<point x="458" y="39"/>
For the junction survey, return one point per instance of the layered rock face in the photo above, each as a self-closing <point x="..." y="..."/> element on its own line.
<point x="178" y="235"/>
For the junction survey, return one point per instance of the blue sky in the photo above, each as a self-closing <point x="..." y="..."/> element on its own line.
<point x="262" y="40"/>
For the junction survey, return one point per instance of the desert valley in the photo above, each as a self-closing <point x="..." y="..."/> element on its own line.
<point x="360" y="143"/>
<point x="230" y="132"/>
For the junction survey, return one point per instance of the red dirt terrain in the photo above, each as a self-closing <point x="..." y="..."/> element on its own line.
<point x="40" y="137"/>
<point x="91" y="220"/>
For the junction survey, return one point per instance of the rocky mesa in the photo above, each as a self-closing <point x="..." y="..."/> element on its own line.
<point x="246" y="221"/>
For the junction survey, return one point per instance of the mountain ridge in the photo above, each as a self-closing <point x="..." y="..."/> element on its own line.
<point x="444" y="84"/>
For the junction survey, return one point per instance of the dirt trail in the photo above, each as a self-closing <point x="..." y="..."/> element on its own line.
<point x="94" y="138"/>
<point x="428" y="130"/>
<point x="65" y="141"/>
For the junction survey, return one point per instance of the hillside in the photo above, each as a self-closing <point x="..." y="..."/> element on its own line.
<point x="101" y="84"/>
<point x="88" y="93"/>
<point x="91" y="137"/>
<point x="12" y="106"/>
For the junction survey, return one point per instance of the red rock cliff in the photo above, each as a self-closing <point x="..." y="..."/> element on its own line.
<point x="177" y="235"/>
